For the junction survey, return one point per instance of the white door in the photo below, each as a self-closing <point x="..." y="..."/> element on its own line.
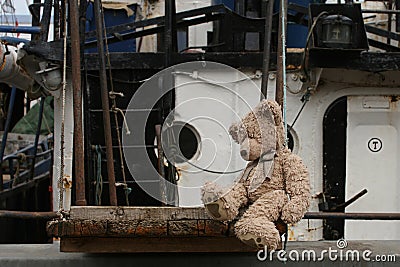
<point x="373" y="125"/>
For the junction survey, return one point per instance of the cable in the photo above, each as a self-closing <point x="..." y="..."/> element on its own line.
<point x="304" y="99"/>
<point x="303" y="61"/>
<point x="195" y="75"/>
<point x="207" y="170"/>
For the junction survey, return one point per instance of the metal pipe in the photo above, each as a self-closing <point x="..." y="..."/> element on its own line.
<point x="397" y="5"/>
<point x="13" y="40"/>
<point x="56" y="20"/>
<point x="20" y="29"/>
<point x="45" y="215"/>
<point x="170" y="35"/>
<point x="281" y="66"/>
<point x="5" y="133"/>
<point x="105" y="102"/>
<point x="350" y="201"/>
<point x="352" y="216"/>
<point x="380" y="11"/>
<point x="267" y="48"/>
<point x="45" y="21"/>
<point x="38" y="129"/>
<point x="79" y="158"/>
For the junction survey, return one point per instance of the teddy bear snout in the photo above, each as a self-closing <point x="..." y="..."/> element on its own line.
<point x="243" y="153"/>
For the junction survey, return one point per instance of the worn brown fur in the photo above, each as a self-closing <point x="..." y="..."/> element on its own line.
<point x="285" y="194"/>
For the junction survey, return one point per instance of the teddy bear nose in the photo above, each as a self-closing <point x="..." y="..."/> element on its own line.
<point x="243" y="153"/>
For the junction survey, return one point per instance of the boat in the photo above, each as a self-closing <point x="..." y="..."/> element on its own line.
<point x="114" y="189"/>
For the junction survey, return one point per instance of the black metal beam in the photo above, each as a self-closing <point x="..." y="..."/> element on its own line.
<point x="383" y="46"/>
<point x="43" y="215"/>
<point x="383" y="33"/>
<point x="156" y="60"/>
<point x="352" y="216"/>
<point x="366" y="61"/>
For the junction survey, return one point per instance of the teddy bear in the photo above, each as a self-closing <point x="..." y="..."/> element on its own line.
<point x="273" y="186"/>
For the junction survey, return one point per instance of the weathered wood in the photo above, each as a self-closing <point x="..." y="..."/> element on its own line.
<point x="137" y="228"/>
<point x="153" y="244"/>
<point x="137" y="213"/>
<point x="144" y="229"/>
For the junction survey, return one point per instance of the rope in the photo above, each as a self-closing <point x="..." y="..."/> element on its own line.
<point x="99" y="177"/>
<point x="283" y="36"/>
<point x="62" y="137"/>
<point x="114" y="108"/>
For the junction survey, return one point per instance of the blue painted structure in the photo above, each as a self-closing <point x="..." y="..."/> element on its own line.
<point x="112" y="17"/>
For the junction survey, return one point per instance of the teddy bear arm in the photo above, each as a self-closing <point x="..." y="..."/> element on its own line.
<point x="221" y="205"/>
<point x="298" y="189"/>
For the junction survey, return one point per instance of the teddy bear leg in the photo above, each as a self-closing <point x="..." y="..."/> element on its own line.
<point x="256" y="227"/>
<point x="224" y="206"/>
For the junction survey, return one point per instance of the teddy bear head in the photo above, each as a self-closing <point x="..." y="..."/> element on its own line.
<point x="260" y="131"/>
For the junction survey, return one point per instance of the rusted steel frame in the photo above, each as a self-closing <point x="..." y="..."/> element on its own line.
<point x="105" y="102"/>
<point x="45" y="215"/>
<point x="280" y="66"/>
<point x="79" y="158"/>
<point x="267" y="48"/>
<point x="352" y="215"/>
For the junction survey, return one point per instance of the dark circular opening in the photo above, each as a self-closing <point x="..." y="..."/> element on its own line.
<point x="184" y="142"/>
<point x="188" y="143"/>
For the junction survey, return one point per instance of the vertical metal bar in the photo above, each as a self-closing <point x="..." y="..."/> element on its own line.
<point x="38" y="129"/>
<point x="79" y="158"/>
<point x="56" y="20"/>
<point x="105" y="102"/>
<point x="397" y="4"/>
<point x="267" y="48"/>
<point x="280" y="68"/>
<point x="5" y="133"/>
<point x="390" y="5"/>
<point x="45" y="21"/>
<point x="170" y="35"/>
<point x="36" y="19"/>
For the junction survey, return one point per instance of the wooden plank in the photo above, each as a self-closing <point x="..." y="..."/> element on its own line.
<point x="138" y="228"/>
<point x="143" y="244"/>
<point x="137" y="213"/>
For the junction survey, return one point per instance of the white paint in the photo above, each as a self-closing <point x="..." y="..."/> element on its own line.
<point x="68" y="147"/>
<point x="220" y="107"/>
<point x="197" y="33"/>
<point x="373" y="168"/>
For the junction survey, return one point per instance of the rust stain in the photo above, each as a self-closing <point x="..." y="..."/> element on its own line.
<point x="67" y="182"/>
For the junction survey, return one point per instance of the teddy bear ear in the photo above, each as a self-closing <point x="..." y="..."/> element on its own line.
<point x="234" y="132"/>
<point x="270" y="107"/>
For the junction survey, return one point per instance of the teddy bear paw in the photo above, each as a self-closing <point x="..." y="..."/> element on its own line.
<point x="260" y="242"/>
<point x="215" y="207"/>
<point x="267" y="238"/>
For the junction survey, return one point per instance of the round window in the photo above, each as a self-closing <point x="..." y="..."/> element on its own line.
<point x="180" y="142"/>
